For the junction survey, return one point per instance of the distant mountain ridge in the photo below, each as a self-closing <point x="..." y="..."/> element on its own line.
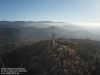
<point x="27" y="22"/>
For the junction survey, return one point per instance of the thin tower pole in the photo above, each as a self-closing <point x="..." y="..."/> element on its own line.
<point x="53" y="29"/>
<point x="53" y="38"/>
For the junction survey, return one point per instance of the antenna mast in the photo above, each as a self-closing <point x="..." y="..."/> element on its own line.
<point x="53" y="29"/>
<point x="53" y="38"/>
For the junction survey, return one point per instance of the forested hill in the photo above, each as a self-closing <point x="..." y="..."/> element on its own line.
<point x="70" y="57"/>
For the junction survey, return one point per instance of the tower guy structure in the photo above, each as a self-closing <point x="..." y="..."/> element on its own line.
<point x="53" y="38"/>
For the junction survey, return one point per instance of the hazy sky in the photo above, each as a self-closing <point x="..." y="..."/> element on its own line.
<point x="69" y="11"/>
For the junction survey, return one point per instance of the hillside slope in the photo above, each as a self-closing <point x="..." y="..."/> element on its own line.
<point x="74" y="57"/>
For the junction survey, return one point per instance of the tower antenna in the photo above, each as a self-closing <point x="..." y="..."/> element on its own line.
<point x="53" y="38"/>
<point x="53" y="29"/>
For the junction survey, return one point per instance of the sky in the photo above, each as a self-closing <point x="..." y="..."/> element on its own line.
<point x="81" y="12"/>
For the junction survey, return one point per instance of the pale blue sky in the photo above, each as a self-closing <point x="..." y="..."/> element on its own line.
<point x="69" y="11"/>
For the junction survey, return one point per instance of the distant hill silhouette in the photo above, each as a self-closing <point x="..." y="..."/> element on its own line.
<point x="71" y="27"/>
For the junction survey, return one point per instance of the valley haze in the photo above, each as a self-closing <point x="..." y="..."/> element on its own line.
<point x="80" y="31"/>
